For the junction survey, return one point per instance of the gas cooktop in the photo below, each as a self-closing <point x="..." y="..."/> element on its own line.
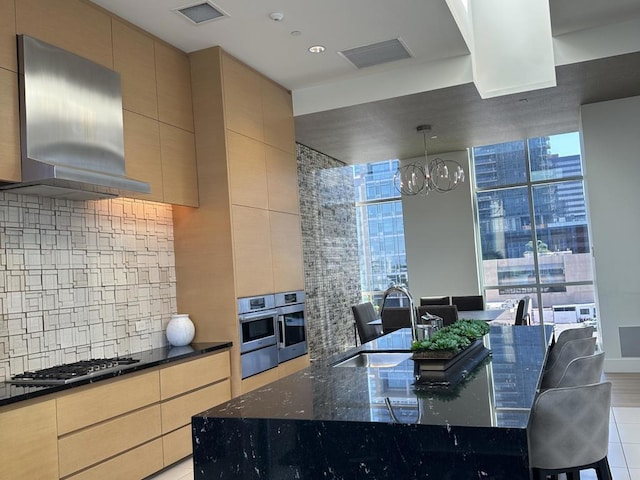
<point x="73" y="372"/>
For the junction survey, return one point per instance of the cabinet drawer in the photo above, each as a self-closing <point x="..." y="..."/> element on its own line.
<point x="28" y="442"/>
<point x="94" y="444"/>
<point x="132" y="465"/>
<point x="96" y="403"/>
<point x="177" y="445"/>
<point x="177" y="412"/>
<point x="190" y="375"/>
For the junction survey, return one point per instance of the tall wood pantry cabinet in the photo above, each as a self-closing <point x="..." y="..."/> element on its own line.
<point x="245" y="237"/>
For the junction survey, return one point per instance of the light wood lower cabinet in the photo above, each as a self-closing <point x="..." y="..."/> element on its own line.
<point x="28" y="441"/>
<point x="92" y="445"/>
<point x="187" y="376"/>
<point x="135" y="464"/>
<point x="187" y="389"/>
<point x="123" y="428"/>
<point x="176" y="413"/>
<point x="176" y="445"/>
<point x="94" y="404"/>
<point x="281" y="371"/>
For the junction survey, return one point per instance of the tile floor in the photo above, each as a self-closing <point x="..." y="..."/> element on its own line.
<point x="624" y="450"/>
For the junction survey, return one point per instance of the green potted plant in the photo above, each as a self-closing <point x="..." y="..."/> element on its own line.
<point x="450" y="340"/>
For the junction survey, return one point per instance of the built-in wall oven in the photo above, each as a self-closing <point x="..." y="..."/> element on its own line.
<point x="292" y="335"/>
<point x="258" y="344"/>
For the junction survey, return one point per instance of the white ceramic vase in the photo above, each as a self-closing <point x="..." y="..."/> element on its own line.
<point x="180" y="330"/>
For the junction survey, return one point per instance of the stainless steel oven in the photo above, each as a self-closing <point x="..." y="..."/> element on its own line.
<point x="292" y="333"/>
<point x="258" y="345"/>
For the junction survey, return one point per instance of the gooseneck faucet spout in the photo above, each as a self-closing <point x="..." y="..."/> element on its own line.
<point x="413" y="310"/>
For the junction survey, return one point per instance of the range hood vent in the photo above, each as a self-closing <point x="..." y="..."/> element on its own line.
<point x="71" y="129"/>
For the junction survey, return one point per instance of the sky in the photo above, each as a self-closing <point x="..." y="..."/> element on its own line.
<point x="565" y="144"/>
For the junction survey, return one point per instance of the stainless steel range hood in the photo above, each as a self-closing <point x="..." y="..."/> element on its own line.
<point x="71" y="129"/>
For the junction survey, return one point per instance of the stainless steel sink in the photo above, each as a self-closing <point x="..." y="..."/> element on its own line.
<point x="375" y="359"/>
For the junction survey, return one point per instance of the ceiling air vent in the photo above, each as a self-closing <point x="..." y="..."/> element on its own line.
<point x="377" y="53"/>
<point x="200" y="13"/>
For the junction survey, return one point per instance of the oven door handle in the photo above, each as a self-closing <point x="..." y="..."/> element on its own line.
<point x="248" y="317"/>
<point x="282" y="338"/>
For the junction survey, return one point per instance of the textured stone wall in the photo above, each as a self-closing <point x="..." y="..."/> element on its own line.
<point x="82" y="279"/>
<point x="330" y="249"/>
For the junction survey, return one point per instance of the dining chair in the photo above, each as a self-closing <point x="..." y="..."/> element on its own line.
<point x="568" y="431"/>
<point x="552" y="373"/>
<point x="468" y="302"/>
<point x="394" y="318"/>
<point x="522" y="312"/>
<point x="582" y="371"/>
<point x="446" y="300"/>
<point x="363" y="314"/>
<point x="564" y="337"/>
<point x="448" y="313"/>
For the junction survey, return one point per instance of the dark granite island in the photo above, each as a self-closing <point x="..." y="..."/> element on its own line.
<point x="376" y="423"/>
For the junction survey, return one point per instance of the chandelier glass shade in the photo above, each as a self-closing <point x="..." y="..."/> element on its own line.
<point x="423" y="177"/>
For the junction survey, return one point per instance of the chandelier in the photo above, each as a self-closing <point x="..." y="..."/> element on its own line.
<point x="423" y="177"/>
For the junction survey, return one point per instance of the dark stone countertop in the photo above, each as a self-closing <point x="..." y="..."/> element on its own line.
<point x="10" y="393"/>
<point x="316" y="422"/>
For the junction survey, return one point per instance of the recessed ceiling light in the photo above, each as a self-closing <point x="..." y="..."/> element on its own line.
<point x="296" y="33"/>
<point x="317" y="49"/>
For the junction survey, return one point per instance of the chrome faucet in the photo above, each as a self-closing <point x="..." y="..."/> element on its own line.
<point x="413" y="310"/>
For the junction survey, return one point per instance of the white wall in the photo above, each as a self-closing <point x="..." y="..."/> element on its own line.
<point x="439" y="237"/>
<point x="611" y="150"/>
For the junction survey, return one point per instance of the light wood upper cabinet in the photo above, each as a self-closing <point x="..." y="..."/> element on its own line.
<point x="247" y="170"/>
<point x="286" y="248"/>
<point x="8" y="56"/>
<point x="134" y="58"/>
<point x="142" y="154"/>
<point x="29" y="441"/>
<point x="173" y="76"/>
<point x="252" y="251"/>
<point x="277" y="108"/>
<point x="282" y="177"/>
<point x="72" y="25"/>
<point x="10" y="169"/>
<point x="179" y="169"/>
<point x="242" y="98"/>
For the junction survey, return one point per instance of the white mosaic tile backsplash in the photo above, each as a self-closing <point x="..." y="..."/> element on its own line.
<point x="82" y="280"/>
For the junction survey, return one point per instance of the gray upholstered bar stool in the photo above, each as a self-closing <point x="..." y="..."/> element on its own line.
<point x="564" y="337"/>
<point x="571" y="350"/>
<point x="582" y="371"/>
<point x="568" y="431"/>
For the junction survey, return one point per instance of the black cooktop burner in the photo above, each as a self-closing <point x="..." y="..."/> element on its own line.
<point x="73" y="372"/>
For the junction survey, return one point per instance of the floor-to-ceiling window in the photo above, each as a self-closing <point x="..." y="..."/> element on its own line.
<point x="534" y="230"/>
<point x="380" y="229"/>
